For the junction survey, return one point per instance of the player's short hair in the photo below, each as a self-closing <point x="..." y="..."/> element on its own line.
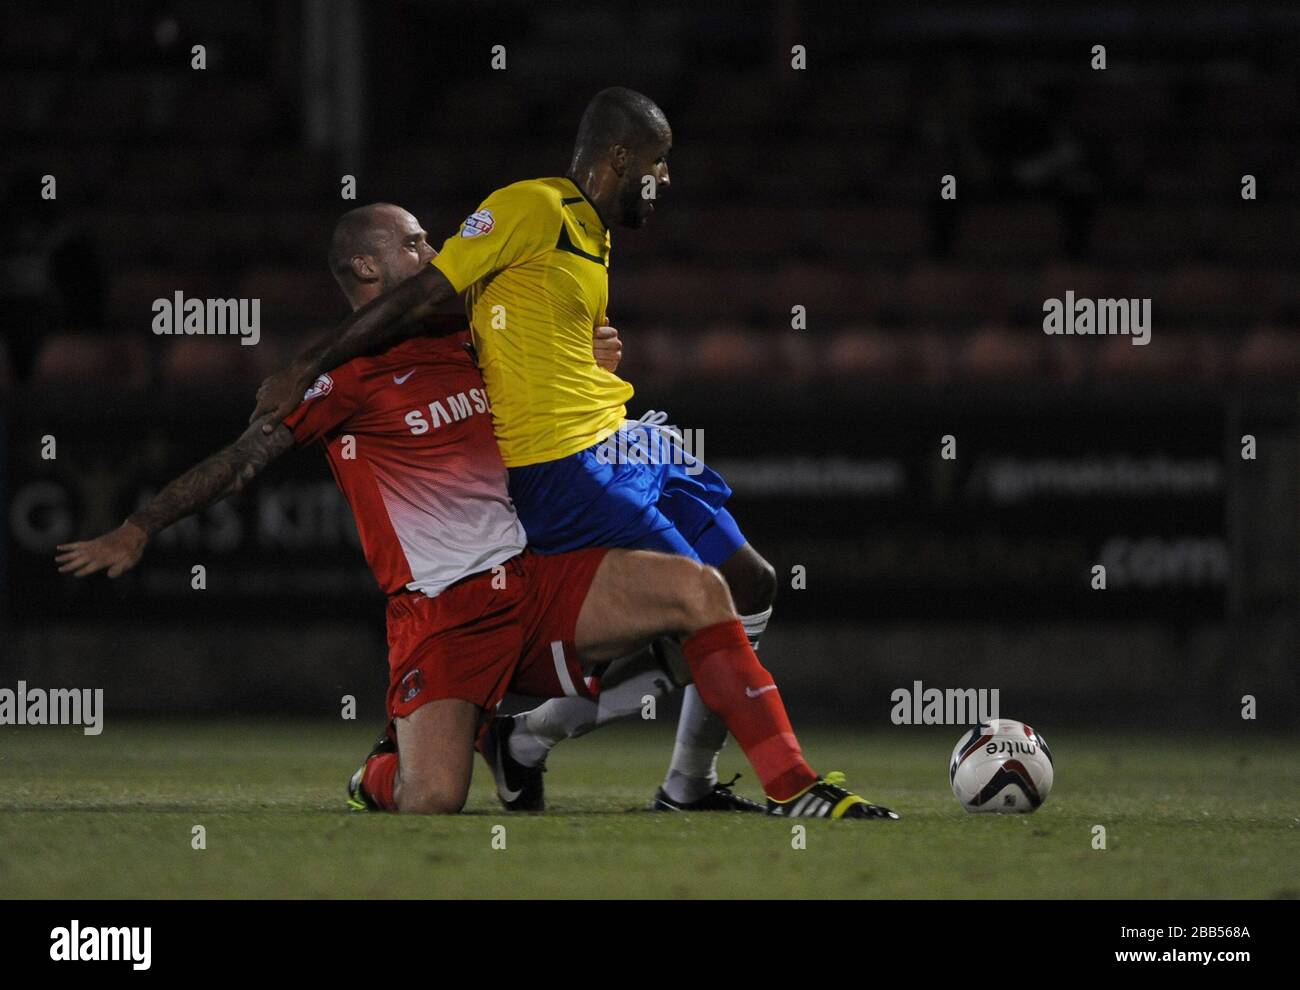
<point x="618" y="116"/>
<point x="354" y="234"/>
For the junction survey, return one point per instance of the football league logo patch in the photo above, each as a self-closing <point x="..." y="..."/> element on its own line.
<point x="478" y="224"/>
<point x="321" y="386"/>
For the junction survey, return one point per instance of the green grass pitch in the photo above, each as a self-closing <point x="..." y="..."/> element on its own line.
<point x="112" y="816"/>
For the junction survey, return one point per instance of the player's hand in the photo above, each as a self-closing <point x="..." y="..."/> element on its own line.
<point x="280" y="395"/>
<point x="118" y="550"/>
<point x="607" y="348"/>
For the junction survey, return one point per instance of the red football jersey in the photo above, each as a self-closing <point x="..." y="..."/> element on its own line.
<point x="409" y="438"/>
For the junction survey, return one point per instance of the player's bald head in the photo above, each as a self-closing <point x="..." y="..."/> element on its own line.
<point x="618" y="116"/>
<point x="374" y="247"/>
<point x="361" y="231"/>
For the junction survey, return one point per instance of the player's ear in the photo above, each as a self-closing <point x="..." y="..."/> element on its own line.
<point x="364" y="268"/>
<point x="620" y="157"/>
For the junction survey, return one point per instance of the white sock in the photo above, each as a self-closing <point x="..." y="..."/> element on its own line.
<point x="537" y="731"/>
<point x="700" y="736"/>
<point x="693" y="770"/>
<point x="623" y="688"/>
<point x="756" y="624"/>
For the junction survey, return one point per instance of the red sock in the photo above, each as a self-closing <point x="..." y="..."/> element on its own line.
<point x="727" y="675"/>
<point x="378" y="779"/>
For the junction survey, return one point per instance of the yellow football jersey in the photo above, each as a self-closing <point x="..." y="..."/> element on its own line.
<point x="533" y="260"/>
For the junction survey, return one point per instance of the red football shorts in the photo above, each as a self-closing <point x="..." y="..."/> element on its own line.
<point x="476" y="642"/>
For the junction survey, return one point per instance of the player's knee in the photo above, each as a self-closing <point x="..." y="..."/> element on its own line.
<point x="752" y="581"/>
<point x="705" y="598"/>
<point x="761" y="592"/>
<point x="431" y="798"/>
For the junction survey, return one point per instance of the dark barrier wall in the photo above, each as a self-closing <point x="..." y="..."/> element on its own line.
<point x="894" y="560"/>
<point x="865" y="506"/>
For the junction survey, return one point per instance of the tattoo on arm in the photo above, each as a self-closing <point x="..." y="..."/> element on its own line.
<point x="224" y="473"/>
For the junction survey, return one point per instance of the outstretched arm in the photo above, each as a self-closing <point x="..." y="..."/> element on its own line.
<point x="224" y="473"/>
<point x="399" y="313"/>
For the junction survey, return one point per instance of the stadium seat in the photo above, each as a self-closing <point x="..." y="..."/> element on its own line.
<point x="654" y="352"/>
<point x="70" y="360"/>
<point x="1214" y="352"/>
<point x="1085" y="281"/>
<point x="188" y="361"/>
<point x="831" y="293"/>
<point x="687" y="292"/>
<point x="936" y="353"/>
<point x="837" y="177"/>
<point x="726" y="232"/>
<point x="869" y="353"/>
<point x="1009" y="232"/>
<point x="994" y="352"/>
<point x="1272" y="293"/>
<point x="1065" y="361"/>
<point x="1270" y="352"/>
<point x="943" y="292"/>
<point x="891" y="232"/>
<point x="1259" y="232"/>
<point x="1128" y="233"/>
<point x="132" y="293"/>
<point x="1169" y="356"/>
<point x="729" y="351"/>
<point x="1201" y="293"/>
<point x="796" y="357"/>
<point x="294" y="294"/>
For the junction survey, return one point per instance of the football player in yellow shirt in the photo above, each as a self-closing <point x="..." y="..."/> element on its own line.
<point x="533" y="264"/>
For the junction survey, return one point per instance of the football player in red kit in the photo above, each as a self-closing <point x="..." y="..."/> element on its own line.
<point x="471" y="612"/>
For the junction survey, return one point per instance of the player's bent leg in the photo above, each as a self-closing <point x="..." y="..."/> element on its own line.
<point x="519" y="785"/>
<point x="752" y="580"/>
<point x="436" y="743"/>
<point x="736" y="686"/>
<point x="636" y="595"/>
<point x="623" y="685"/>
<point x="371" y="787"/>
<point x="515" y="747"/>
<point x="628" y="521"/>
<point x="691" y="783"/>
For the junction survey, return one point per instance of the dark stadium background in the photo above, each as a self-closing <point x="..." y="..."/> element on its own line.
<point x="817" y="188"/>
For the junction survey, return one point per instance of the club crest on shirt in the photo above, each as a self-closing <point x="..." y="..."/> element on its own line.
<point x="477" y="224"/>
<point x="412" y="684"/>
<point x="321" y="386"/>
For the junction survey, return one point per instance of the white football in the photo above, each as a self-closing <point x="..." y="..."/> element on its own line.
<point x="1002" y="766"/>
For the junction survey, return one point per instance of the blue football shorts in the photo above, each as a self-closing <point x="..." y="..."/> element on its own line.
<point x="640" y="489"/>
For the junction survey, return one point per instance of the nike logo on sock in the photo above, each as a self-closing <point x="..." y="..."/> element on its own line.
<point x="754" y="694"/>
<point x="402" y="380"/>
